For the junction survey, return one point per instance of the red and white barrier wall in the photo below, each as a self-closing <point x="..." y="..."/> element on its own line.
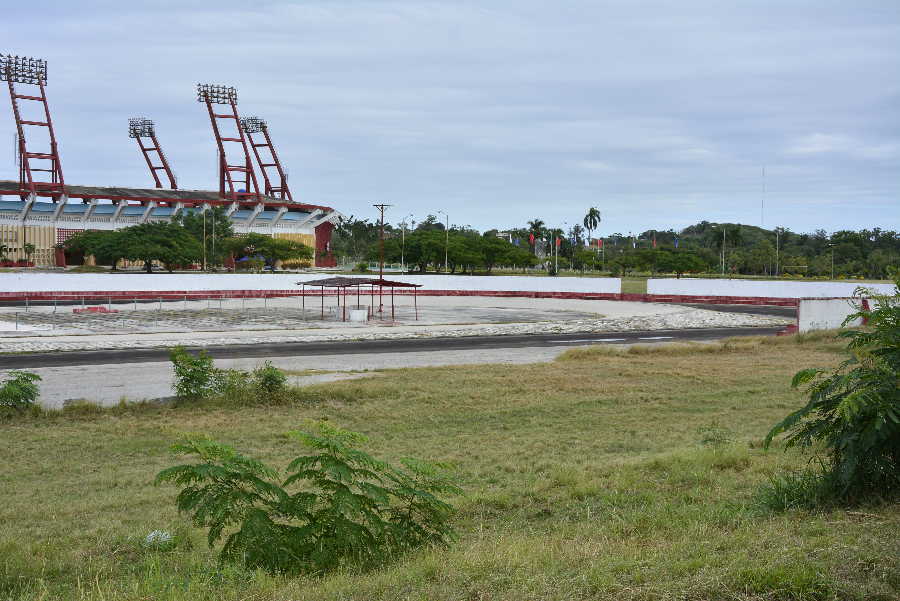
<point x="759" y="288"/>
<point x="37" y="283"/>
<point x="825" y="313"/>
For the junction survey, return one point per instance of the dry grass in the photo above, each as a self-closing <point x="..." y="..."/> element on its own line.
<point x="593" y="477"/>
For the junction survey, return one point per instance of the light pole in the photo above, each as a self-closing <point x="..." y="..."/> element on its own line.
<point x="204" y="241"/>
<point x="723" y="251"/>
<point x="403" y="243"/>
<point x="831" y="246"/>
<point x="777" y="241"/>
<point x="446" y="241"/>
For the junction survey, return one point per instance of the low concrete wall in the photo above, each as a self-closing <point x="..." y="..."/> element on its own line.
<point x="108" y="282"/>
<point x="759" y="288"/>
<point x="824" y="313"/>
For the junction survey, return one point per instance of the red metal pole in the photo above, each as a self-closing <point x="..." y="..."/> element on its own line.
<point x="165" y="163"/>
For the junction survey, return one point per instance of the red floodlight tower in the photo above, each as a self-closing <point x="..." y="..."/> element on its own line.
<point x="240" y="179"/>
<point x="32" y="71"/>
<point x="255" y="125"/>
<point x="140" y="128"/>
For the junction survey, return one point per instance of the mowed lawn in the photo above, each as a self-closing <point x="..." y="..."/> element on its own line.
<point x="603" y="475"/>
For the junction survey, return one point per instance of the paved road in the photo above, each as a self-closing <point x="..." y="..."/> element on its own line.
<point x="304" y="349"/>
<point x="751" y="309"/>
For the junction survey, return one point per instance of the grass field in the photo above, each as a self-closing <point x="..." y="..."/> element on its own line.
<point x="603" y="475"/>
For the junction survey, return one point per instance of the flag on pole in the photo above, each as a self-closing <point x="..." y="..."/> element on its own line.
<point x="654" y="241"/>
<point x="676" y="242"/>
<point x="599" y="242"/>
<point x="558" y="242"/>
<point x="531" y="239"/>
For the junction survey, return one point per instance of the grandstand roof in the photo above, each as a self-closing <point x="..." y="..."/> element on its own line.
<point x="11" y="188"/>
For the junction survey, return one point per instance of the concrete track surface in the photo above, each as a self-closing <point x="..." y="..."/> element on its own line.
<point x="106" y="377"/>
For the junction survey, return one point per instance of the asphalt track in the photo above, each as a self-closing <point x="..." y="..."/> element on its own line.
<point x="299" y="349"/>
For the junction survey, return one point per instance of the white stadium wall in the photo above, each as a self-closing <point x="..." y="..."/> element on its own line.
<point x="824" y="314"/>
<point x="759" y="288"/>
<point x="96" y="282"/>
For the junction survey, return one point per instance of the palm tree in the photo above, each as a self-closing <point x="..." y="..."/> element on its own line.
<point x="536" y="227"/>
<point x="591" y="221"/>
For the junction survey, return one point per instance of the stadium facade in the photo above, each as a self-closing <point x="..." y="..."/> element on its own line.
<point x="39" y="211"/>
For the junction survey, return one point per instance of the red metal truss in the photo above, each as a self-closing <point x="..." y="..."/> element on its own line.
<point x="140" y="128"/>
<point x="255" y="125"/>
<point x="240" y="180"/>
<point x="23" y="70"/>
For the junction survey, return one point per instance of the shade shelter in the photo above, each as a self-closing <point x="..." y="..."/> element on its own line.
<point x="382" y="283"/>
<point x="341" y="283"/>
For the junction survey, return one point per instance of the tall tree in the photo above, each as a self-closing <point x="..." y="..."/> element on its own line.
<point x="591" y="221"/>
<point x="211" y="228"/>
<point x="168" y="243"/>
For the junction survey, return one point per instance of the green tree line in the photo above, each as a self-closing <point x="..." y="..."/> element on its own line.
<point x="186" y="240"/>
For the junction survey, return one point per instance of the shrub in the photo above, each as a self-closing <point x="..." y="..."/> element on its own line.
<point x="19" y="390"/>
<point x="337" y="506"/>
<point x="269" y="380"/>
<point x="296" y="263"/>
<point x="855" y="410"/>
<point x="195" y="375"/>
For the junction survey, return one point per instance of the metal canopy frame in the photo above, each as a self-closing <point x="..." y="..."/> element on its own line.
<point x="140" y="128"/>
<point x="341" y="283"/>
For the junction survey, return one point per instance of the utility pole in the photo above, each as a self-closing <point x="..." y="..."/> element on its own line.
<point x="381" y="208"/>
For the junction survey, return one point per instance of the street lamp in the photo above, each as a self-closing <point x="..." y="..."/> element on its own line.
<point x="777" y="241"/>
<point x="403" y="243"/>
<point x="446" y="242"/>
<point x="831" y="246"/>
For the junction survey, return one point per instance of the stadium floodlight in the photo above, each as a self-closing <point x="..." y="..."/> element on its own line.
<point x="253" y="125"/>
<point x="140" y="127"/>
<point x="207" y="92"/>
<point x="23" y="69"/>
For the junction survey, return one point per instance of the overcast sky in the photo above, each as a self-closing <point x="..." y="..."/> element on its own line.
<point x="660" y="114"/>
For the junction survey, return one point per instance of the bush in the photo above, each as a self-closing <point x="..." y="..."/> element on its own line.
<point x="363" y="267"/>
<point x="855" y="410"/>
<point x="195" y="375"/>
<point x="250" y="265"/>
<point x="337" y="506"/>
<point x="269" y="380"/>
<point x="19" y="391"/>
<point x="296" y="263"/>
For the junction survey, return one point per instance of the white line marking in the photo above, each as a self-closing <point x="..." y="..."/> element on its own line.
<point x="655" y="338"/>
<point x="591" y="340"/>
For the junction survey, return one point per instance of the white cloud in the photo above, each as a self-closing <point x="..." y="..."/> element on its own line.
<point x="819" y="143"/>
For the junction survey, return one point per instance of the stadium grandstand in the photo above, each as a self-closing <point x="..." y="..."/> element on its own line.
<point x="39" y="211"/>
